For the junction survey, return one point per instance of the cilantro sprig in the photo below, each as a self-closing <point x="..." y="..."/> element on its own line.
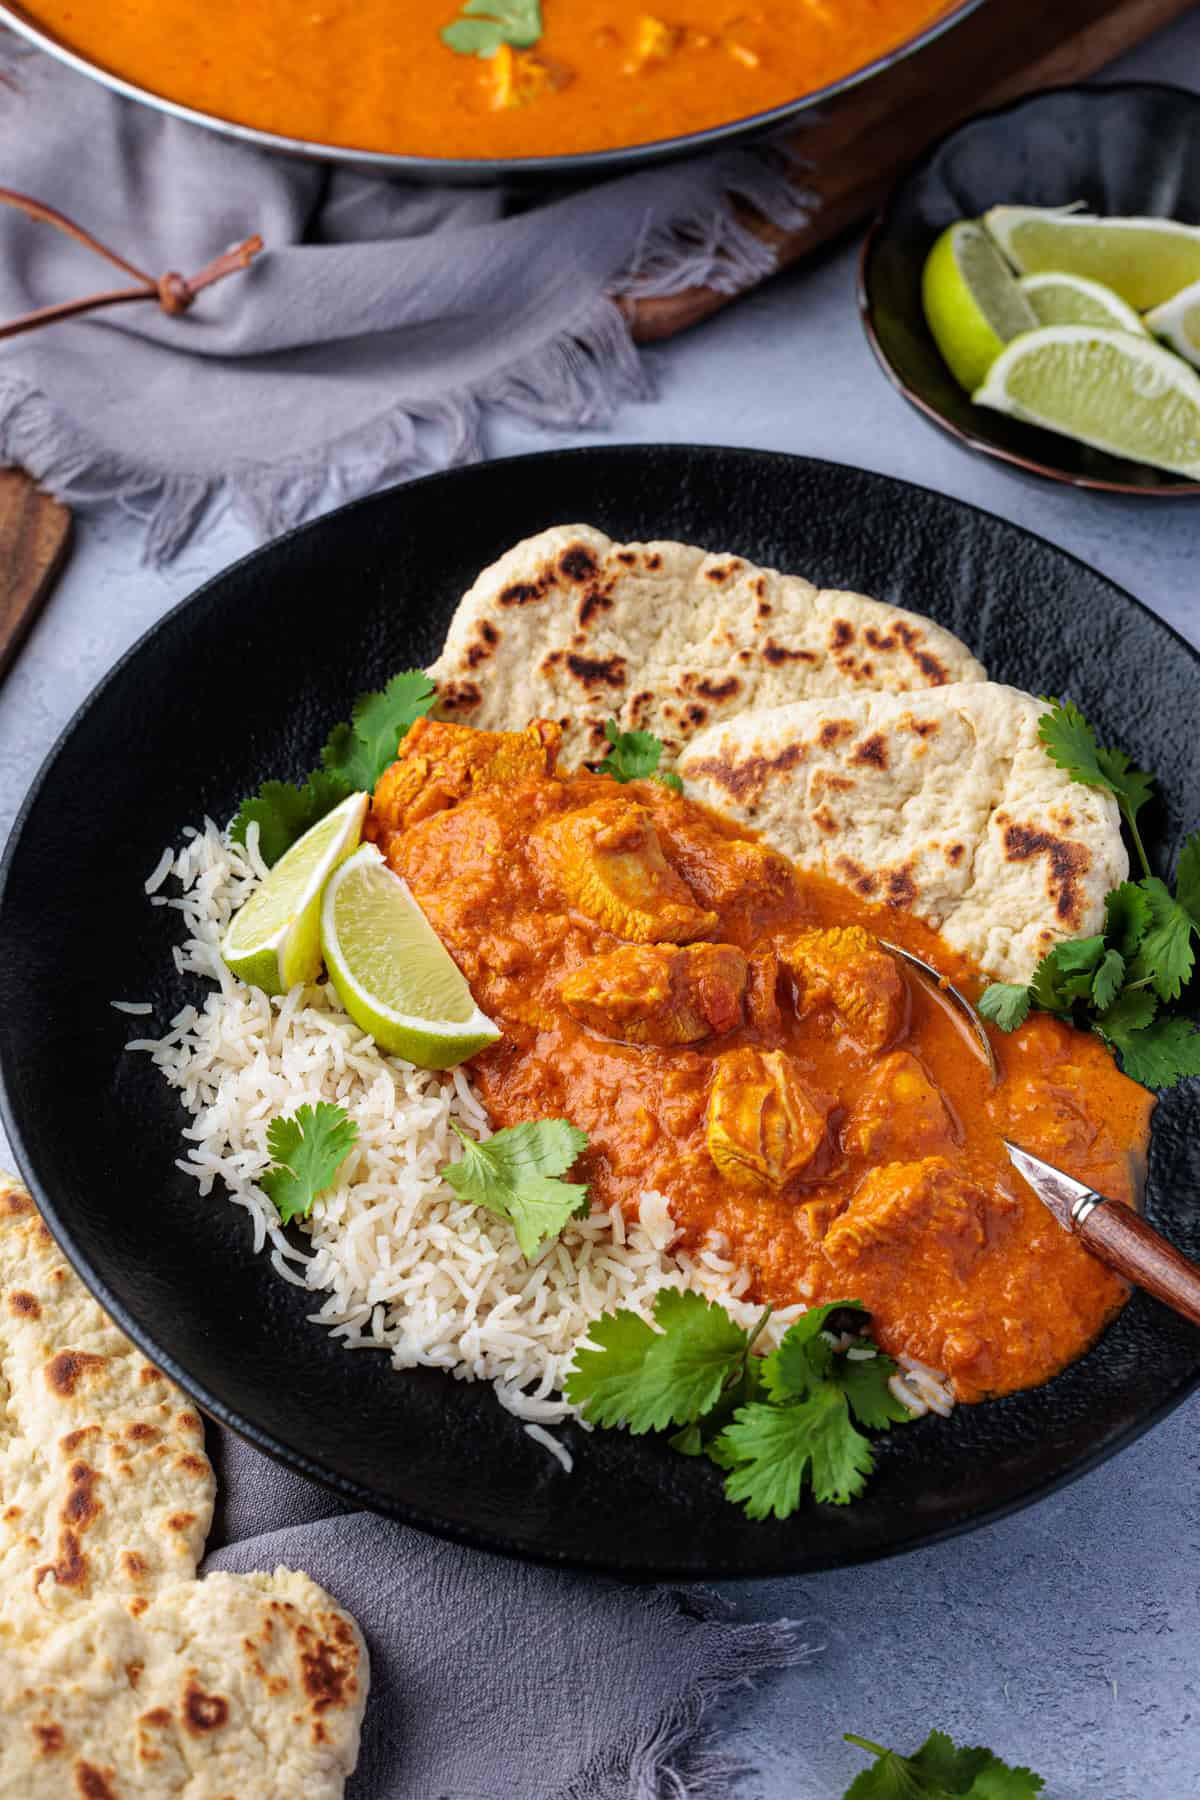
<point x="483" y="25"/>
<point x="1117" y="981"/>
<point x="354" y="757"/>
<point x="307" y="1150"/>
<point x="774" y="1424"/>
<point x="939" y="1770"/>
<point x="515" y="1175"/>
<point x="635" y="756"/>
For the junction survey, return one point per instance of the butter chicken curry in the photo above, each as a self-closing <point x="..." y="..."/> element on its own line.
<point x="566" y="75"/>
<point x="729" y="1033"/>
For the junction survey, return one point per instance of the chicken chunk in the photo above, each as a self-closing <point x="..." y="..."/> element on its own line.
<point x="440" y="764"/>
<point x="659" y="994"/>
<point x="844" y="966"/>
<point x="516" y="77"/>
<point x="900" y="1115"/>
<point x="906" y="1217"/>
<point x="611" y="866"/>
<point x="728" y="872"/>
<point x="764" y="1126"/>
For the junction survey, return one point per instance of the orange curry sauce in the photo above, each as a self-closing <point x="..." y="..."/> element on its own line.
<point x="372" y="75"/>
<point x="701" y="1009"/>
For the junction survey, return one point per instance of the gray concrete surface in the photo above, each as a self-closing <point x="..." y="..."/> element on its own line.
<point x="1067" y="1637"/>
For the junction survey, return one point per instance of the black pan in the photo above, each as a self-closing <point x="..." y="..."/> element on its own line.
<point x="244" y="681"/>
<point x="581" y="166"/>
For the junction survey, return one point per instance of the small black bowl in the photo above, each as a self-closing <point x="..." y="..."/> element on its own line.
<point x="1133" y="148"/>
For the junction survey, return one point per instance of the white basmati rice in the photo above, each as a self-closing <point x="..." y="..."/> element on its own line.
<point x="397" y="1260"/>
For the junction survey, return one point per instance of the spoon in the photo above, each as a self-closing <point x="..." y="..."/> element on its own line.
<point x="959" y="1000"/>
<point x="1112" y="1232"/>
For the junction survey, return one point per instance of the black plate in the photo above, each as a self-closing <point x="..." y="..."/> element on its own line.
<point x="580" y="166"/>
<point x="1132" y="148"/>
<point x="243" y="681"/>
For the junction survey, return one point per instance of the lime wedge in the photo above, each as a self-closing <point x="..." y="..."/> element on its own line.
<point x="1122" y="393"/>
<point x="1177" y="322"/>
<point x="274" y="941"/>
<point x="1060" y="299"/>
<point x="973" y="302"/>
<point x="393" y="974"/>
<point x="1145" y="261"/>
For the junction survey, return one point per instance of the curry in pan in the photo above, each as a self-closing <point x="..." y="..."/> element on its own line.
<point x="515" y="79"/>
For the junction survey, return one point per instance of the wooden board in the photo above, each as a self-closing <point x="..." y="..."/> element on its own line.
<point x="35" y="533"/>
<point x="861" y="142"/>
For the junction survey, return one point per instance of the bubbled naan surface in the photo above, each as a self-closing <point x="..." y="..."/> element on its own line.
<point x="121" y="1673"/>
<point x="666" y="638"/>
<point x="104" y="1482"/>
<point x="944" y="804"/>
<point x="237" y="1687"/>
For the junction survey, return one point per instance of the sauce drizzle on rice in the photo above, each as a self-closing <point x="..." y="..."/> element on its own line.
<point x="394" y="1259"/>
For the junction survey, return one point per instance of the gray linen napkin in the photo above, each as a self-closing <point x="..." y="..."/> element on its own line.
<point x="495" y="1680"/>
<point x="370" y="339"/>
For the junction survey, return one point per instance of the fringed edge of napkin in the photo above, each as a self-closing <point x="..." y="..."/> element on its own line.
<point x="676" y="1755"/>
<point x="576" y="379"/>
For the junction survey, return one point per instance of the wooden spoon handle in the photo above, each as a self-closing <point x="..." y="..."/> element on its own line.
<point x="1122" y="1239"/>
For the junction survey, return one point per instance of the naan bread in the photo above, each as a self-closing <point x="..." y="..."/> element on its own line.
<point x="120" y="1673"/>
<point x="943" y="803"/>
<point x="237" y="1687"/>
<point x="666" y="638"/>
<point x="104" y="1483"/>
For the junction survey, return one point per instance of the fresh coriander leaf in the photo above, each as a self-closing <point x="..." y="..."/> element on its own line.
<point x="307" y="1150"/>
<point x="1126" y="918"/>
<point x="283" y="812"/>
<point x="1050" y="989"/>
<point x="698" y="1350"/>
<point x="770" y="1450"/>
<point x="669" y="779"/>
<point x="1131" y="1011"/>
<point x="865" y="1381"/>
<point x="1161" y="1053"/>
<point x="1077" y="954"/>
<point x="1106" y="982"/>
<point x="689" y="1441"/>
<point x="486" y="24"/>
<point x="1005" y="1004"/>
<point x="939" y="1770"/>
<point x="647" y="1379"/>
<point x="359" y="752"/>
<point x="1064" y="974"/>
<point x="354" y="757"/>
<point x="698" y="1438"/>
<point x="1166" y="950"/>
<point x="1071" y="743"/>
<point x="1187" y="877"/>
<point x="605" y="1378"/>
<point x="804" y="1357"/>
<point x="633" y="756"/>
<point x="515" y="1175"/>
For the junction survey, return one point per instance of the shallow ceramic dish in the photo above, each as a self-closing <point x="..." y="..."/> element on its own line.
<point x="1132" y="149"/>
<point x="585" y="166"/>
<point x="294" y="633"/>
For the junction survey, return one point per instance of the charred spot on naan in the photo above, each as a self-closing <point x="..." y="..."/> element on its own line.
<point x="1067" y="860"/>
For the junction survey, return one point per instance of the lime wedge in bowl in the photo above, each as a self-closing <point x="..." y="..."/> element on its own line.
<point x="973" y="301"/>
<point x="274" y="941"/>
<point x="1120" y="393"/>
<point x="1177" y="322"/>
<point x="1145" y="261"/>
<point x="1060" y="299"/>
<point x="393" y="974"/>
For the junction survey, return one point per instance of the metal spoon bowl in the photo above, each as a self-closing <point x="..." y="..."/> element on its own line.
<point x="959" y="1000"/>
